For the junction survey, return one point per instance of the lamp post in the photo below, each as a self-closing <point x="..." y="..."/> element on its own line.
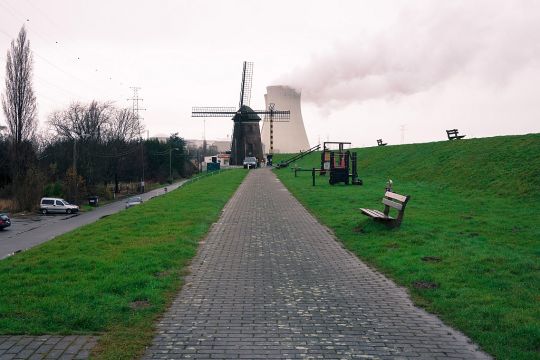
<point x="170" y="162"/>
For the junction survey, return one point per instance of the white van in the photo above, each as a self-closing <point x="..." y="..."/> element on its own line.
<point x="56" y="205"/>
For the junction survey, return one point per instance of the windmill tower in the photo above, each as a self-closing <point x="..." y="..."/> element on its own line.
<point x="285" y="137"/>
<point x="246" y="140"/>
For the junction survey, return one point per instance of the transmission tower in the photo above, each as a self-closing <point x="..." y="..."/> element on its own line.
<point x="403" y="129"/>
<point x="135" y="108"/>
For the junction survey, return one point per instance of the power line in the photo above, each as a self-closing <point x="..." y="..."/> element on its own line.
<point x="66" y="91"/>
<point x="124" y="153"/>
<point x="34" y="52"/>
<point x="22" y="18"/>
<point x="45" y="15"/>
<point x="50" y="40"/>
<point x="53" y="65"/>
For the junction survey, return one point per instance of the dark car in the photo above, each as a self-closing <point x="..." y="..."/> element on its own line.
<point x="250" y="162"/>
<point x="4" y="221"/>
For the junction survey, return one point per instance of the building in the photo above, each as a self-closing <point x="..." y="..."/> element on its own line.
<point x="222" y="159"/>
<point x="288" y="137"/>
<point x="219" y="145"/>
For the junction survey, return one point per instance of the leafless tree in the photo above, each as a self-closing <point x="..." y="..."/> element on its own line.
<point x="19" y="102"/>
<point x="96" y="119"/>
<point x="63" y="121"/>
<point x="123" y="126"/>
<point x="80" y="121"/>
<point x="122" y="129"/>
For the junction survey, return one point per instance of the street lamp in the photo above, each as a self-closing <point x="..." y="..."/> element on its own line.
<point x="170" y="162"/>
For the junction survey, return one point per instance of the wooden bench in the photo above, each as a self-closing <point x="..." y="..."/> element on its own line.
<point x="390" y="200"/>
<point x="380" y="143"/>
<point x="453" y="134"/>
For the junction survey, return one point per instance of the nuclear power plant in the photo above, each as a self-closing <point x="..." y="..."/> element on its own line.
<point x="286" y="136"/>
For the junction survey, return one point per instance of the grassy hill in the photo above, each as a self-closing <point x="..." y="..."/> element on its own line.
<point x="472" y="228"/>
<point x="504" y="165"/>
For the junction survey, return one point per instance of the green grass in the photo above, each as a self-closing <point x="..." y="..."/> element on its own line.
<point x="86" y="281"/>
<point x="475" y="204"/>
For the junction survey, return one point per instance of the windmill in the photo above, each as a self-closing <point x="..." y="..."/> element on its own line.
<point x="246" y="139"/>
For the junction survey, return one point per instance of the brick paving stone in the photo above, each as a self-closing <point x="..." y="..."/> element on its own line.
<point x="46" y="347"/>
<point x="269" y="281"/>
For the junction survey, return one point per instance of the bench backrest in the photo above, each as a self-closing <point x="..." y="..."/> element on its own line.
<point x="396" y="201"/>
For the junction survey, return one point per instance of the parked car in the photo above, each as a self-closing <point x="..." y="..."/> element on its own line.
<point x="56" y="205"/>
<point x="250" y="162"/>
<point x="132" y="201"/>
<point x="4" y="221"/>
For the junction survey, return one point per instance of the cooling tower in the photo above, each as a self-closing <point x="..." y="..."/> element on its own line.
<point x="288" y="137"/>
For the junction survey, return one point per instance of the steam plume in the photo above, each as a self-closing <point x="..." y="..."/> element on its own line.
<point x="486" y="41"/>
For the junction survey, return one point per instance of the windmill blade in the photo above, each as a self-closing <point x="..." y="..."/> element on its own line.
<point x="245" y="86"/>
<point x="212" y="111"/>
<point x="277" y="115"/>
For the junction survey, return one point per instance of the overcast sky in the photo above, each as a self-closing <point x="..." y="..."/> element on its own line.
<point x="365" y="68"/>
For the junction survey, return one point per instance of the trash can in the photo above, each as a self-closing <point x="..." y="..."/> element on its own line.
<point x="93" y="200"/>
<point x="212" y="166"/>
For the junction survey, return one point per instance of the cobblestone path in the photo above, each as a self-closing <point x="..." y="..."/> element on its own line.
<point x="270" y="282"/>
<point x="46" y="347"/>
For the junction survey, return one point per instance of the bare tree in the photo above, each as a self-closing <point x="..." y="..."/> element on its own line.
<point x="123" y="126"/>
<point x="19" y="102"/>
<point x="81" y="121"/>
<point x="95" y="120"/>
<point x="63" y="121"/>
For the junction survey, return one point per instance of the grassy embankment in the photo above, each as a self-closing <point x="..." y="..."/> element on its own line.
<point x="113" y="277"/>
<point x="472" y="228"/>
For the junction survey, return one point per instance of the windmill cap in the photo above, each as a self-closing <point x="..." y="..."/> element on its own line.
<point x="245" y="114"/>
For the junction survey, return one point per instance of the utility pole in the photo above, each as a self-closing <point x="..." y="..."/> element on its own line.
<point x="135" y="108"/>
<point x="75" y="155"/>
<point x="204" y="138"/>
<point x="170" y="162"/>
<point x="84" y="136"/>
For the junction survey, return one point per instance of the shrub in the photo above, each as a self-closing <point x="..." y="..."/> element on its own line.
<point x="28" y="188"/>
<point x="53" y="190"/>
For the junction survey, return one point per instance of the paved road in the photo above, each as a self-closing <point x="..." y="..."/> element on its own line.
<point x="28" y="231"/>
<point x="270" y="282"/>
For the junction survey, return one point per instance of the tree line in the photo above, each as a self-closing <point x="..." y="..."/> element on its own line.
<point x="91" y="148"/>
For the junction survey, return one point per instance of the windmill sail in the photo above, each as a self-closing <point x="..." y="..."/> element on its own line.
<point x="245" y="87"/>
